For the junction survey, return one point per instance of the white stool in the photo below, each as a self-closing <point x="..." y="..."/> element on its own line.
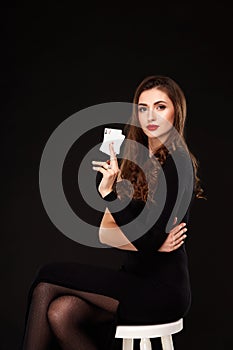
<point x="164" y="331"/>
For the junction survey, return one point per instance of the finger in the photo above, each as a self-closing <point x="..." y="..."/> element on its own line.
<point x="178" y="245"/>
<point x="100" y="169"/>
<point x="105" y="171"/>
<point x="113" y="159"/>
<point x="178" y="228"/>
<point x="175" y="238"/>
<point x="175" y="245"/>
<point x="112" y="152"/>
<point x="107" y="166"/>
<point x="175" y="220"/>
<point x="98" y="162"/>
<point x="104" y="165"/>
<point x="180" y="239"/>
<point x="180" y="233"/>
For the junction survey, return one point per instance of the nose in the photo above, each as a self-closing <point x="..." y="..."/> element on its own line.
<point x="151" y="115"/>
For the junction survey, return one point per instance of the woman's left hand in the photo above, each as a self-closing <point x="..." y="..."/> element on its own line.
<point x="175" y="238"/>
<point x="109" y="169"/>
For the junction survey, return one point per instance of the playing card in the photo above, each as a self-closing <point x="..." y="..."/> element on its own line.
<point x="112" y="135"/>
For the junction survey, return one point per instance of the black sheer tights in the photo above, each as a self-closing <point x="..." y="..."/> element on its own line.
<point x="69" y="319"/>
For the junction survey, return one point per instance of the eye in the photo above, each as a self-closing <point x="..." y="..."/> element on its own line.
<point x="161" y="107"/>
<point x="142" y="109"/>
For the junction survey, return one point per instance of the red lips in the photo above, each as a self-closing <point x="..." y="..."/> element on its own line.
<point x="152" y="127"/>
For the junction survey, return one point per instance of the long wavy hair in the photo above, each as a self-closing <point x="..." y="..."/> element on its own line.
<point x="138" y="185"/>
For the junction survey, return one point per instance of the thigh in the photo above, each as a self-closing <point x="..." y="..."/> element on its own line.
<point x="88" y="278"/>
<point x="141" y="300"/>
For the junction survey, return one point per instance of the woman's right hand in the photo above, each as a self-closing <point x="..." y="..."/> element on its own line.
<point x="175" y="238"/>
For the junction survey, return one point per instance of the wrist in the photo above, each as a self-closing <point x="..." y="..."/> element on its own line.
<point x="105" y="193"/>
<point x="111" y="196"/>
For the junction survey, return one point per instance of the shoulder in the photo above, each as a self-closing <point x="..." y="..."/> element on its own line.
<point x="180" y="157"/>
<point x="178" y="166"/>
<point x="182" y="162"/>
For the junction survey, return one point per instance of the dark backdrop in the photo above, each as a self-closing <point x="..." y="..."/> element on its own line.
<point x="58" y="60"/>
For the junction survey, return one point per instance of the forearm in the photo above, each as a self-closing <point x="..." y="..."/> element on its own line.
<point x="148" y="233"/>
<point x="114" y="237"/>
<point x="137" y="232"/>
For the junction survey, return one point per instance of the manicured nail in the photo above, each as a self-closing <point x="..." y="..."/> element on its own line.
<point x="184" y="224"/>
<point x="185" y="236"/>
<point x="185" y="229"/>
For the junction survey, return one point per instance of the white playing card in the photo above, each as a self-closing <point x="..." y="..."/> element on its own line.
<point x="112" y="135"/>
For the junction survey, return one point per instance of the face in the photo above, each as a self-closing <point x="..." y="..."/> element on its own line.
<point x="155" y="113"/>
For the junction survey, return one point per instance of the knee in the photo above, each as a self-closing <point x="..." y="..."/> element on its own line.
<point x="41" y="289"/>
<point x="58" y="312"/>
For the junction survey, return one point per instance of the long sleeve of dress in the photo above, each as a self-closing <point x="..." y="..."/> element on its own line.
<point x="172" y="198"/>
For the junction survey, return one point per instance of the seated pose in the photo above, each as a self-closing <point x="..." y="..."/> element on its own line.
<point x="75" y="306"/>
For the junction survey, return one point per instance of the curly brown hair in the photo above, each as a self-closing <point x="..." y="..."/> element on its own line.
<point x="138" y="184"/>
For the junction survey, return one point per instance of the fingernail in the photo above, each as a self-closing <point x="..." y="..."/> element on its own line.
<point x="185" y="236"/>
<point x="93" y="162"/>
<point x="94" y="168"/>
<point x="185" y="229"/>
<point x="184" y="224"/>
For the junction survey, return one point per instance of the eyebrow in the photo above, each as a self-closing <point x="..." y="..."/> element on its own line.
<point x="144" y="104"/>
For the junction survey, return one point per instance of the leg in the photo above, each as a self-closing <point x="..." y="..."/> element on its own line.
<point x="145" y="344"/>
<point x="38" y="333"/>
<point x="167" y="342"/>
<point x="127" y="344"/>
<point x="71" y="317"/>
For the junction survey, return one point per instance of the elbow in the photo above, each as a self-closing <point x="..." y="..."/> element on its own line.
<point x="102" y="237"/>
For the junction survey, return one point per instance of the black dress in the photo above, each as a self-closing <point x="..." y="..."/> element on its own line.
<point x="151" y="286"/>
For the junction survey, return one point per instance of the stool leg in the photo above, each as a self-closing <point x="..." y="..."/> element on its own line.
<point x="127" y="344"/>
<point x="145" y="344"/>
<point x="167" y="343"/>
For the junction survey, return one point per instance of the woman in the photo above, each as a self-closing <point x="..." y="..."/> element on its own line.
<point x="77" y="306"/>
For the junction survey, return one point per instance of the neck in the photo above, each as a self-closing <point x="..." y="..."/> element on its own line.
<point x="153" y="145"/>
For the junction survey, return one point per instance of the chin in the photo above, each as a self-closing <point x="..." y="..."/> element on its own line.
<point x="152" y="134"/>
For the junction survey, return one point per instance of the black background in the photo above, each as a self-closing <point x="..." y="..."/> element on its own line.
<point x="57" y="60"/>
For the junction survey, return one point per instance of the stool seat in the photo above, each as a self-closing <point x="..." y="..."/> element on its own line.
<point x="164" y="331"/>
